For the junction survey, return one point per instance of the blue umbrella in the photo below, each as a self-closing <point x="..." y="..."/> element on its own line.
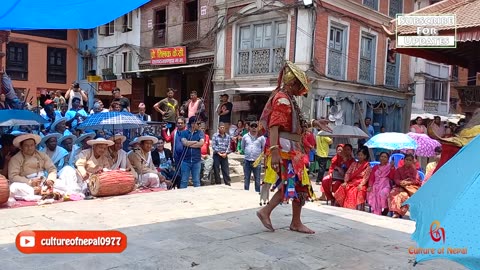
<point x="112" y="121"/>
<point x="391" y="141"/>
<point x="446" y="210"/>
<point x="20" y="118"/>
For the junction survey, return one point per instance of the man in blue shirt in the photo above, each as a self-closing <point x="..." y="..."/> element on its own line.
<point x="192" y="140"/>
<point x="221" y="148"/>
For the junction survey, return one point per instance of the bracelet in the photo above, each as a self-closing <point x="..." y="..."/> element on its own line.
<point x="273" y="147"/>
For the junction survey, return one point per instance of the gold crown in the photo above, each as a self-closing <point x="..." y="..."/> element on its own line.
<point x="292" y="72"/>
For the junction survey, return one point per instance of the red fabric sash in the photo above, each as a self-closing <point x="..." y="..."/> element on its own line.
<point x="359" y="170"/>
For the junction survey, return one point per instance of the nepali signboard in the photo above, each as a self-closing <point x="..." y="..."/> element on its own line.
<point x="426" y="31"/>
<point x="168" y="56"/>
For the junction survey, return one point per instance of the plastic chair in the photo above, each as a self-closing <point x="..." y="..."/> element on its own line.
<point x="421" y="175"/>
<point x="373" y="163"/>
<point x="396" y="158"/>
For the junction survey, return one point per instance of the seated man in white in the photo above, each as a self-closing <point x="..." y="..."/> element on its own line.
<point x="60" y="126"/>
<point x="58" y="155"/>
<point x="93" y="160"/>
<point x="141" y="160"/>
<point x="29" y="170"/>
<point x="119" y="157"/>
<point x="80" y="144"/>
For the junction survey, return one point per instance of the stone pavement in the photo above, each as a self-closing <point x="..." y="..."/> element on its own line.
<point x="213" y="227"/>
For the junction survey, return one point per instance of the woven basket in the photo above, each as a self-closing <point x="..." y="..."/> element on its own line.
<point x="111" y="183"/>
<point x="4" y="189"/>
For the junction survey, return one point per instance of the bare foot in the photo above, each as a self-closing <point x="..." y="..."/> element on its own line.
<point x="265" y="221"/>
<point x="396" y="216"/>
<point x="301" y="229"/>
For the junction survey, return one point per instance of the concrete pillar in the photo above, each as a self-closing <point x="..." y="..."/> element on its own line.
<point x="304" y="38"/>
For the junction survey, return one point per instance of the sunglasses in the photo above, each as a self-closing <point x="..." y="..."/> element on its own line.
<point x="254" y="126"/>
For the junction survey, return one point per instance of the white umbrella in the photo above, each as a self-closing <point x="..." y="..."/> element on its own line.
<point x="345" y="131"/>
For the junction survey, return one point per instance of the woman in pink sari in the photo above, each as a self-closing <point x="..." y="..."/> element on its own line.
<point x="406" y="184"/>
<point x="379" y="185"/>
<point x="352" y="194"/>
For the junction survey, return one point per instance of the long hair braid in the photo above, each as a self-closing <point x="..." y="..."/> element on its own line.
<point x="302" y="122"/>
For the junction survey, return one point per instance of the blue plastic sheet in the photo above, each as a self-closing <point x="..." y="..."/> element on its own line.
<point x="446" y="210"/>
<point x="62" y="14"/>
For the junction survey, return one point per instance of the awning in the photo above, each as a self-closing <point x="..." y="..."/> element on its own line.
<point x="166" y="68"/>
<point x="64" y="14"/>
<point x="268" y="89"/>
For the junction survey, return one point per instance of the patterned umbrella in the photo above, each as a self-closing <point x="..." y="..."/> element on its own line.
<point x="391" y="141"/>
<point x="112" y="121"/>
<point x="425" y="145"/>
<point x="10" y="118"/>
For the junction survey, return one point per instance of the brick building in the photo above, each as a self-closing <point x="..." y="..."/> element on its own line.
<point x="354" y="67"/>
<point x="341" y="45"/>
<point x="174" y="26"/>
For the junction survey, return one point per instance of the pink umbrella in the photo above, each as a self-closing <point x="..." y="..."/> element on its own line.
<point x="426" y="145"/>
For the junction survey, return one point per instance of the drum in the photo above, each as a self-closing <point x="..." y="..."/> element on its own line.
<point x="4" y="190"/>
<point x="111" y="183"/>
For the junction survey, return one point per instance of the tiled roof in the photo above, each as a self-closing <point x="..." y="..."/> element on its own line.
<point x="467" y="15"/>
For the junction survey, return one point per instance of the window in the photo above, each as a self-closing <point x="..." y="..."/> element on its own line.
<point x="261" y="48"/>
<point x="55" y="34"/>
<point x="127" y="61"/>
<point x="392" y="67"/>
<point x="337" y="52"/>
<point x="110" y="61"/>
<point x="455" y="73"/>
<point x="438" y="70"/>
<point x="367" y="59"/>
<point x="87" y="66"/>
<point x="159" y="33"/>
<point x="127" y="22"/>
<point x="436" y="90"/>
<point x="86" y="34"/>
<point x="107" y="29"/>
<point x="56" y="65"/>
<point x="17" y="61"/>
<point x="395" y="7"/>
<point x="373" y="4"/>
<point x="190" y="27"/>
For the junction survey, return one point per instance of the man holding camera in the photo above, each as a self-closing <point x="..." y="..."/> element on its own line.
<point x="76" y="92"/>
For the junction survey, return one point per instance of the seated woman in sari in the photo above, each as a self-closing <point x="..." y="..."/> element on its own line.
<point x="406" y="184"/>
<point x="379" y="185"/>
<point x="336" y="174"/>
<point x="352" y="194"/>
<point x="432" y="165"/>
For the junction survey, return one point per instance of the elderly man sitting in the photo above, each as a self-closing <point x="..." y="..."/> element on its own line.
<point x="118" y="155"/>
<point x="141" y="160"/>
<point x="57" y="154"/>
<point x="29" y="170"/>
<point x="67" y="143"/>
<point x="93" y="160"/>
<point x="79" y="145"/>
<point x="60" y="126"/>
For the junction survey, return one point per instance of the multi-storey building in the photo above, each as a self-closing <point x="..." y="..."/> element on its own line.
<point x="117" y="51"/>
<point x="177" y="41"/>
<point x="87" y="61"/>
<point x="40" y="61"/>
<point x="356" y="69"/>
<point x="341" y="44"/>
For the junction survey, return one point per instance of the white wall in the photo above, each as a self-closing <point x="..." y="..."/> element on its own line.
<point x="106" y="44"/>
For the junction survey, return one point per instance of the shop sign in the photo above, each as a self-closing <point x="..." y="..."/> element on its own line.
<point x="168" y="56"/>
<point x="107" y="85"/>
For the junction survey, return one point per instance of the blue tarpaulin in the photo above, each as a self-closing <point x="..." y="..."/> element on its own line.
<point x="62" y="14"/>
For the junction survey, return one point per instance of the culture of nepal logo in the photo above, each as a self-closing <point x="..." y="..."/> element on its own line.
<point x="438" y="233"/>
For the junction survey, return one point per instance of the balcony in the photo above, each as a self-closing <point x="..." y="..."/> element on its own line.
<point x="190" y="31"/>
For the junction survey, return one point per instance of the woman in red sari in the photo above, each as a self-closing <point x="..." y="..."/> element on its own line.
<point x="352" y="194"/>
<point x="336" y="174"/>
<point x="406" y="184"/>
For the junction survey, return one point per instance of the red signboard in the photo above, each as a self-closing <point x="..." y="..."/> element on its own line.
<point x="107" y="85"/>
<point x="168" y="56"/>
